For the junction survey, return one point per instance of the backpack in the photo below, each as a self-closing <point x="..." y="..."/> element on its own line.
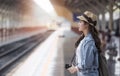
<point x="103" y="68"/>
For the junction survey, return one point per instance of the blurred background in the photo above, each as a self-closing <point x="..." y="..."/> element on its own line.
<point x="37" y="37"/>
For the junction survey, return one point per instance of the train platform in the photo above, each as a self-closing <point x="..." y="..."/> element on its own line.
<point x="49" y="57"/>
<point x="20" y="36"/>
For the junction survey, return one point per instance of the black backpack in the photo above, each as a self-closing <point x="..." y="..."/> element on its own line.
<point x="103" y="68"/>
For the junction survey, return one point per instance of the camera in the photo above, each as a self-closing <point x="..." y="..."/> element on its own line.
<point x="67" y="66"/>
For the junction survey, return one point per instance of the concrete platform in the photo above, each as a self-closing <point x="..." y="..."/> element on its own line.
<point x="44" y="60"/>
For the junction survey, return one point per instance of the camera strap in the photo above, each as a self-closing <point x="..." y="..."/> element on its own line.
<point x="73" y="60"/>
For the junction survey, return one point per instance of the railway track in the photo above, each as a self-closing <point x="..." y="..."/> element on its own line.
<point x="16" y="45"/>
<point x="11" y="53"/>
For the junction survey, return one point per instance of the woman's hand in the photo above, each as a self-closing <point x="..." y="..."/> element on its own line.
<point x="72" y="69"/>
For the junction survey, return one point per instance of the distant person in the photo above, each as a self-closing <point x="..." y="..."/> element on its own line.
<point x="88" y="47"/>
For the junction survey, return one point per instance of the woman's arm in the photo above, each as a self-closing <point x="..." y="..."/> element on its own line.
<point x="87" y="55"/>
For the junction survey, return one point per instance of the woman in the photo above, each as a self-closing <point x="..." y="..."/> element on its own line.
<point x="88" y="47"/>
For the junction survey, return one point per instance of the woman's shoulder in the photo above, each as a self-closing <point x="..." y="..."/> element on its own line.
<point x="89" y="39"/>
<point x="89" y="42"/>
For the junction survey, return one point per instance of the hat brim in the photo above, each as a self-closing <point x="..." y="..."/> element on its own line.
<point x="82" y="18"/>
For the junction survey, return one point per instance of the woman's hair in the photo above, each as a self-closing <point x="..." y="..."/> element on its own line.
<point x="78" y="41"/>
<point x="95" y="36"/>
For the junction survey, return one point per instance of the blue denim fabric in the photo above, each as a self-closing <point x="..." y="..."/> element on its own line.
<point x="87" y="57"/>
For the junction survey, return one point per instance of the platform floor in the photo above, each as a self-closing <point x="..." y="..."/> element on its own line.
<point x="49" y="58"/>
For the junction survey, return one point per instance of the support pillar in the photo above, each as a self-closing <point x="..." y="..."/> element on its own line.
<point x="103" y="21"/>
<point x="111" y="16"/>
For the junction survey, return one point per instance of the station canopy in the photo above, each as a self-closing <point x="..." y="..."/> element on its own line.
<point x="96" y="6"/>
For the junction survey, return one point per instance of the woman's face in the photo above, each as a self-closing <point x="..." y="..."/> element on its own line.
<point x="82" y="26"/>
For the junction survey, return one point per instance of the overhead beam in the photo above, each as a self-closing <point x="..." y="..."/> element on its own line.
<point x="84" y="8"/>
<point x="70" y="3"/>
<point x="82" y="3"/>
<point x="101" y="5"/>
<point x="77" y="5"/>
<point x="93" y="6"/>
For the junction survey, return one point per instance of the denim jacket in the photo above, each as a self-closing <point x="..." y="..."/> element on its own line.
<point x="87" y="56"/>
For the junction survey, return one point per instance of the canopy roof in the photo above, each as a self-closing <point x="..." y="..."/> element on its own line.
<point x="96" y="6"/>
